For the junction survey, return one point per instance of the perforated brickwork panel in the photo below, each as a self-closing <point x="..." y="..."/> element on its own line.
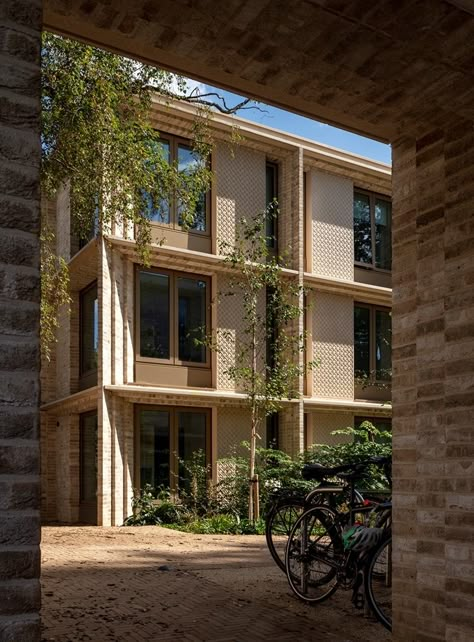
<point x="233" y="427"/>
<point x="239" y="187"/>
<point x="332" y="213"/>
<point x="231" y="324"/>
<point x="325" y="422"/>
<point x="333" y="344"/>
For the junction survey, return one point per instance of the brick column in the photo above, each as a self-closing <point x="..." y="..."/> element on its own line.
<point x="433" y="401"/>
<point x="19" y="319"/>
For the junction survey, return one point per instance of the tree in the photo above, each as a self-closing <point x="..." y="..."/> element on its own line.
<point x="98" y="138"/>
<point x="266" y="366"/>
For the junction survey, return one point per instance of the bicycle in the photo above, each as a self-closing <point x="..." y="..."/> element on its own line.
<point x="328" y="549"/>
<point x="287" y="507"/>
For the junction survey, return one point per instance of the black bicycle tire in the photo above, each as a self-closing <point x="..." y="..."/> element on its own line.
<point x="297" y="502"/>
<point x="329" y="516"/>
<point x="370" y="573"/>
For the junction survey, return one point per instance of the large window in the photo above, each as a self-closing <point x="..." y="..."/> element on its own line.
<point x="372" y="343"/>
<point x="169" y="440"/>
<point x="179" y="153"/>
<point x="372" y="231"/>
<point x="89" y="335"/>
<point x="173" y="317"/>
<point x="271" y="194"/>
<point x="88" y="467"/>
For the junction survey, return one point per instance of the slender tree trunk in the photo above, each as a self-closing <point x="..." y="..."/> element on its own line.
<point x="253" y="441"/>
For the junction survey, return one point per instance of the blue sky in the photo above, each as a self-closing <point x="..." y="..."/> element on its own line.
<point x="319" y="132"/>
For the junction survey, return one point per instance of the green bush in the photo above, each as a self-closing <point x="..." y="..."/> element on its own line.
<point x="152" y="507"/>
<point x="223" y="524"/>
<point x="202" y="508"/>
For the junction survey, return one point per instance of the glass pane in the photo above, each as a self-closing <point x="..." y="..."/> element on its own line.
<point x="383" y="345"/>
<point x="159" y="212"/>
<point x="270" y="195"/>
<point x="188" y="162"/>
<point x="154" y="448"/>
<point x="89" y="330"/>
<point x="154" y="315"/>
<point x="191" y="319"/>
<point x="88" y="458"/>
<point x="383" y="234"/>
<point x="361" y="341"/>
<point x="191" y="441"/>
<point x="362" y="231"/>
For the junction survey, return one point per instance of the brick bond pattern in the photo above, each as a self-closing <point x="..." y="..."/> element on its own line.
<point x="433" y="359"/>
<point x="19" y="320"/>
<point x="101" y="586"/>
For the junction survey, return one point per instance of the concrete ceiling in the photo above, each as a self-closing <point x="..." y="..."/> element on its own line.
<point x="383" y="68"/>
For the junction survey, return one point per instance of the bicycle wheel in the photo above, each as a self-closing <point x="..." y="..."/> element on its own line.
<point x="313" y="555"/>
<point x="378" y="582"/>
<point x="278" y="524"/>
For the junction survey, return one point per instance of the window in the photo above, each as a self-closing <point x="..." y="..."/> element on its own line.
<point x="271" y="193"/>
<point x="88" y="467"/>
<point x="168" y="439"/>
<point x="173" y="317"/>
<point x="372" y="231"/>
<point x="89" y="335"/>
<point x="169" y="211"/>
<point x="372" y="343"/>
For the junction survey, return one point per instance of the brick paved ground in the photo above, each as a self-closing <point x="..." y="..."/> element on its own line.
<point x="110" y="584"/>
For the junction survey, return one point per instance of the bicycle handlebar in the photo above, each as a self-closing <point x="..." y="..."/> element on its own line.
<point x="318" y="471"/>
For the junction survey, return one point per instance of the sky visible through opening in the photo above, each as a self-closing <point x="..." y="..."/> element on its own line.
<point x="299" y="125"/>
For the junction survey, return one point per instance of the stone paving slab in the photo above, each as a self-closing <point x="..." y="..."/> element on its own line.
<point x="151" y="584"/>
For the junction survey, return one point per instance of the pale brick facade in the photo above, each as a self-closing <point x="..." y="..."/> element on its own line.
<point x="315" y="225"/>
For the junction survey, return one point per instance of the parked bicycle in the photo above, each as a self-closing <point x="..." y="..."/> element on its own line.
<point x="350" y="548"/>
<point x="288" y="506"/>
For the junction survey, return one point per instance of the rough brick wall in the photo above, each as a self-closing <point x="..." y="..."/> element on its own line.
<point x="19" y="320"/>
<point x="433" y="351"/>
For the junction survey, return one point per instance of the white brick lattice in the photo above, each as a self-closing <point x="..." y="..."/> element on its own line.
<point x="332" y="214"/>
<point x="325" y="422"/>
<point x="239" y="186"/>
<point x="233" y="427"/>
<point x="333" y="344"/>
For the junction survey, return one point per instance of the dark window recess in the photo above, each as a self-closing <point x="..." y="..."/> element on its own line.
<point x="154" y="315"/>
<point x="192" y="437"/>
<point x="171" y="441"/>
<point x="372" y="343"/>
<point x="155" y="448"/>
<point x="173" y="317"/>
<point x="169" y="210"/>
<point x="191" y="319"/>
<point x="372" y="231"/>
<point x="272" y="431"/>
<point x="89" y="333"/>
<point x="271" y="187"/>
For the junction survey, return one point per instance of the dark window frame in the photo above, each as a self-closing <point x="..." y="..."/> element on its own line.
<point x="174" y="142"/>
<point x="372" y="375"/>
<point x="173" y="439"/>
<point x="373" y="196"/>
<point x="173" y="276"/>
<point x="272" y="235"/>
<point x="87" y="378"/>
